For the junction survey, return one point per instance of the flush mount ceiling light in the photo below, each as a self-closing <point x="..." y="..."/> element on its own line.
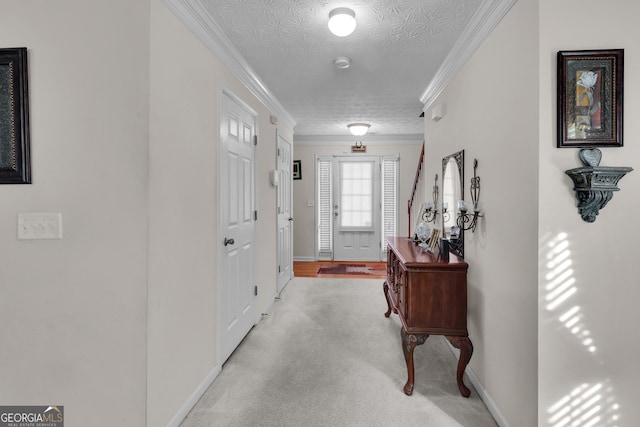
<point x="358" y="129"/>
<point x="342" y="21"/>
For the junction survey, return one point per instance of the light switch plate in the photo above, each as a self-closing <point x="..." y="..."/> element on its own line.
<point x="40" y="226"/>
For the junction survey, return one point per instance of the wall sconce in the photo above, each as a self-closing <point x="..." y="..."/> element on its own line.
<point x="469" y="221"/>
<point x="594" y="185"/>
<point x="430" y="210"/>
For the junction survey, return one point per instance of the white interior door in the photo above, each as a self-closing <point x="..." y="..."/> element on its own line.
<point x="285" y="218"/>
<point x="236" y="263"/>
<point x="356" y="209"/>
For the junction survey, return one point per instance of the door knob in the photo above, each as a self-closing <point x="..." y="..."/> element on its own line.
<point x="228" y="241"/>
<point x="290" y="219"/>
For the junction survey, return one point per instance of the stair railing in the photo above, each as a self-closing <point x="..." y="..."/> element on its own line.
<point x="415" y="188"/>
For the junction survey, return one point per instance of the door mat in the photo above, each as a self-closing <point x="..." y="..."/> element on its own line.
<point x="354" y="269"/>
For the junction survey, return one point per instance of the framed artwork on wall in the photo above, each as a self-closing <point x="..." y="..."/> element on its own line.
<point x="297" y="169"/>
<point x="15" y="163"/>
<point x="590" y="86"/>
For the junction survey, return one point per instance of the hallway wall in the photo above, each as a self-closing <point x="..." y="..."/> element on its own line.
<point x="73" y="311"/>
<point x="588" y="339"/>
<point x="186" y="81"/>
<point x="490" y="110"/>
<point x="502" y="110"/>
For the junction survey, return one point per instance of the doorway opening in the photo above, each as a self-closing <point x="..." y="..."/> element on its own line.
<point x="356" y="199"/>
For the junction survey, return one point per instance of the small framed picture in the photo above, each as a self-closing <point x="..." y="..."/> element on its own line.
<point x="15" y="163"/>
<point x="590" y="86"/>
<point x="297" y="169"/>
<point x="434" y="240"/>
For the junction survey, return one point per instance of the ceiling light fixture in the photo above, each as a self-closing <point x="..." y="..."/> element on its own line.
<point x="342" y="21"/>
<point x="358" y="129"/>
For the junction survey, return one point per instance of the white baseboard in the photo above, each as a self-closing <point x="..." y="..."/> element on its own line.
<point x="304" y="258"/>
<point x="488" y="401"/>
<point x="193" y="399"/>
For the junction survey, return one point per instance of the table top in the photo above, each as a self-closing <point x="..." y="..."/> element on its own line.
<point x="412" y="255"/>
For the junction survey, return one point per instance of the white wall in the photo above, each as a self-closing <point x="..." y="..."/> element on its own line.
<point x="603" y="275"/>
<point x="73" y="311"/>
<point x="304" y="189"/>
<point x="186" y="81"/>
<point x="502" y="110"/>
<point x="490" y="110"/>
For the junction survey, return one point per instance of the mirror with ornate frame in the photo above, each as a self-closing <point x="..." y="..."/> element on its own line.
<point x="452" y="192"/>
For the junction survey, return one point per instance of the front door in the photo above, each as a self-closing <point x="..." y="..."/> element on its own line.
<point x="236" y="263"/>
<point x="283" y="195"/>
<point x="356" y="206"/>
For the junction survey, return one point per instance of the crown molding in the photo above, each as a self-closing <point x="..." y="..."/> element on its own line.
<point x="483" y="22"/>
<point x="198" y="20"/>
<point x="408" y="139"/>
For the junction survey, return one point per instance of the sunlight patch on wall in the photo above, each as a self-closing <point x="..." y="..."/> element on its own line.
<point x="560" y="286"/>
<point x="588" y="405"/>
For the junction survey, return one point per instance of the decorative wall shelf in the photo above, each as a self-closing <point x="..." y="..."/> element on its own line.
<point x="594" y="185"/>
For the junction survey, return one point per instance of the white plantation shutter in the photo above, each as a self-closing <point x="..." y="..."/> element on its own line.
<point x="389" y="198"/>
<point x="325" y="202"/>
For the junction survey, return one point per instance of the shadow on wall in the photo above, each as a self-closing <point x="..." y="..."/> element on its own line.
<point x="587" y="404"/>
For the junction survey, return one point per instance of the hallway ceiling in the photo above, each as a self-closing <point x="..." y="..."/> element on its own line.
<point x="396" y="49"/>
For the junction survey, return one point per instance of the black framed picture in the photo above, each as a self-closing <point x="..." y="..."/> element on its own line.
<point x="15" y="163"/>
<point x="297" y="169"/>
<point x="590" y="86"/>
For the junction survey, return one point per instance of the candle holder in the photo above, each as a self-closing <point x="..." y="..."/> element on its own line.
<point x="469" y="221"/>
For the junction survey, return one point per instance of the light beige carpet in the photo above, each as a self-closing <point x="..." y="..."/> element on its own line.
<point x="325" y="355"/>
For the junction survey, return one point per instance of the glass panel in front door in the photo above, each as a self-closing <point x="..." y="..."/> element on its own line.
<point x="356" y="195"/>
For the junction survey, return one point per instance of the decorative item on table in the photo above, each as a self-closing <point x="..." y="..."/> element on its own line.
<point x="444" y="249"/>
<point x="422" y="234"/>
<point x="434" y="239"/>
<point x="455" y="232"/>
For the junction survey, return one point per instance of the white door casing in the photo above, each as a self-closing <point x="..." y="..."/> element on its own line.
<point x="357" y="228"/>
<point x="284" y="213"/>
<point x="236" y="263"/>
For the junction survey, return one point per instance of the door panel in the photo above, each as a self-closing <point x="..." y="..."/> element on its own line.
<point x="285" y="215"/>
<point x="357" y="229"/>
<point x="236" y="263"/>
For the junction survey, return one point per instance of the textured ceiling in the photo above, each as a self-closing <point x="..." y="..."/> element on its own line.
<point x="396" y="49"/>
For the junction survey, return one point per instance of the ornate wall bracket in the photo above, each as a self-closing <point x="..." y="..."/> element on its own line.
<point x="594" y="187"/>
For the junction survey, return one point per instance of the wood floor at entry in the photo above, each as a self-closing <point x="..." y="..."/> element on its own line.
<point x="310" y="269"/>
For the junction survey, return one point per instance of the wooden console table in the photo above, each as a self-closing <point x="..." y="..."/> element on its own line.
<point x="429" y="294"/>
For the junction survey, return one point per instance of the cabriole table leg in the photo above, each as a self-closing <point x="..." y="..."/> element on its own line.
<point x="385" y="289"/>
<point x="466" y="350"/>
<point x="409" y="343"/>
